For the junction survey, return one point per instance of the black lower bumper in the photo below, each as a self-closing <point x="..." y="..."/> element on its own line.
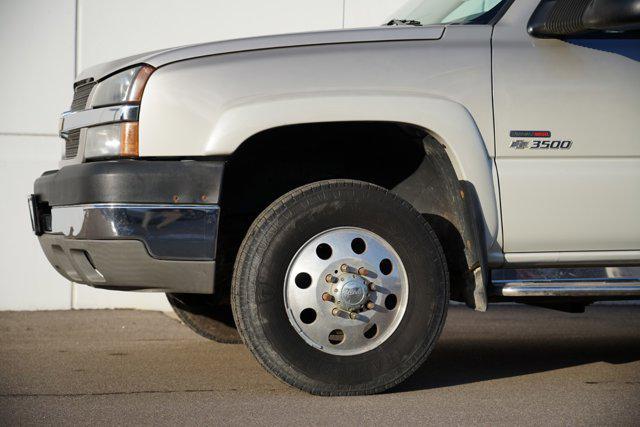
<point x="132" y="181"/>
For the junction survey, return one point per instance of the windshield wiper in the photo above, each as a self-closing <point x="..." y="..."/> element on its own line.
<point x="399" y="22"/>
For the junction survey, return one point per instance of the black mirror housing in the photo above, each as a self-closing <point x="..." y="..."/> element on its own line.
<point x="566" y="18"/>
<point x="612" y="15"/>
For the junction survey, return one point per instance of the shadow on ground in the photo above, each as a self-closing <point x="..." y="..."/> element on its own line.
<point x="507" y="346"/>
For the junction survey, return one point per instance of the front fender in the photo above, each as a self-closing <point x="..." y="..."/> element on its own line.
<point x="449" y="122"/>
<point x="209" y="106"/>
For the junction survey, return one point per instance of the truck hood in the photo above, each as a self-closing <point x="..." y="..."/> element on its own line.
<point x="159" y="58"/>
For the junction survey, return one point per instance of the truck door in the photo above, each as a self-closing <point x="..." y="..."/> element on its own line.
<point x="567" y="125"/>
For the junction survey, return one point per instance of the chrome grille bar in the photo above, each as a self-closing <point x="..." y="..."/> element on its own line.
<point x="72" y="120"/>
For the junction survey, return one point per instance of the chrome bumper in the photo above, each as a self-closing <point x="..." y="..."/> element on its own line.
<point x="167" y="248"/>
<point x="178" y="232"/>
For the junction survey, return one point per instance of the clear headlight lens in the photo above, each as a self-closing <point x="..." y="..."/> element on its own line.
<point x="121" y="88"/>
<point x="117" y="139"/>
<point x="114" y="140"/>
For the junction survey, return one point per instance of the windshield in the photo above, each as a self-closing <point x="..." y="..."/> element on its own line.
<point x="427" y="12"/>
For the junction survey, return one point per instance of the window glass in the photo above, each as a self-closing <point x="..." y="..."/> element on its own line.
<point x="428" y="12"/>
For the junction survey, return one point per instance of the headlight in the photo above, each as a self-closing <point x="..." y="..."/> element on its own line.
<point x="114" y="140"/>
<point x="118" y="139"/>
<point x="121" y="88"/>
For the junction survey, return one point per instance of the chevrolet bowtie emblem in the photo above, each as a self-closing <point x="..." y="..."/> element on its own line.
<point x="519" y="144"/>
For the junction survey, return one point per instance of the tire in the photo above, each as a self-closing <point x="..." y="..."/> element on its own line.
<point x="206" y="316"/>
<point x="263" y="297"/>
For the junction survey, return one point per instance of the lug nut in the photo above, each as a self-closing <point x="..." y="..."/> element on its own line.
<point x="344" y="268"/>
<point x="363" y="271"/>
<point x="353" y="316"/>
<point x="330" y="279"/>
<point x="370" y="305"/>
<point x="371" y="286"/>
<point x="335" y="311"/>
<point x="327" y="297"/>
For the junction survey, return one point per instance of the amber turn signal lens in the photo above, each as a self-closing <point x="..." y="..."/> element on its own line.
<point x="129" y="139"/>
<point x="140" y="81"/>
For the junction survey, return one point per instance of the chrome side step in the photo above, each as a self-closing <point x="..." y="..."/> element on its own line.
<point x="613" y="288"/>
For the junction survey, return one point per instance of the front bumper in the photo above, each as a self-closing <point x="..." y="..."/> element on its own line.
<point x="131" y="225"/>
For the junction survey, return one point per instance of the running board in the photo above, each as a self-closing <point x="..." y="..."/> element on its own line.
<point x="612" y="288"/>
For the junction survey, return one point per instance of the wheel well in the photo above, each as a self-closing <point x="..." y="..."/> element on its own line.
<point x="402" y="158"/>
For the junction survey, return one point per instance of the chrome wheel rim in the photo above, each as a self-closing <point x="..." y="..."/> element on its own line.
<point x="346" y="291"/>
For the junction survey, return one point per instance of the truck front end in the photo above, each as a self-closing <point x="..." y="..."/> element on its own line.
<point x="111" y="219"/>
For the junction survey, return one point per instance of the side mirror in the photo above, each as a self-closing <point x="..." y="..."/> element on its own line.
<point x="567" y="18"/>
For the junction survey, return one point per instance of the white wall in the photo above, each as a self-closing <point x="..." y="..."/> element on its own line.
<point x="36" y="77"/>
<point x="44" y="42"/>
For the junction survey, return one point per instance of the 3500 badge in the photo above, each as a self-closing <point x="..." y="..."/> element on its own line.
<point x="553" y="145"/>
<point x="537" y="144"/>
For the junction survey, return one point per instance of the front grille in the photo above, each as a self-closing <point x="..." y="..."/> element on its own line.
<point x="72" y="141"/>
<point x="81" y="95"/>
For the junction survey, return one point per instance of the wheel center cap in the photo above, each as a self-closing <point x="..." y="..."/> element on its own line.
<point x="353" y="294"/>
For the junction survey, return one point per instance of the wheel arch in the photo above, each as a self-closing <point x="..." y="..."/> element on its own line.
<point x="420" y="170"/>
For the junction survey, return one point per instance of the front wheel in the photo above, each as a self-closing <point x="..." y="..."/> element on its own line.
<point x="340" y="288"/>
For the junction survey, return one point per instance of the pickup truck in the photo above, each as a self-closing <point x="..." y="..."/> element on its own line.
<point x="323" y="196"/>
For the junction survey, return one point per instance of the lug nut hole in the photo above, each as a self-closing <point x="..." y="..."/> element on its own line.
<point x="386" y="266"/>
<point x="391" y="301"/>
<point x="303" y="280"/>
<point x="324" y="251"/>
<point x="336" y="336"/>
<point x="371" y="332"/>
<point x="358" y="245"/>
<point x="308" y="316"/>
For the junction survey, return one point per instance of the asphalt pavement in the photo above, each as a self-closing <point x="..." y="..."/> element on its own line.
<point x="510" y="366"/>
